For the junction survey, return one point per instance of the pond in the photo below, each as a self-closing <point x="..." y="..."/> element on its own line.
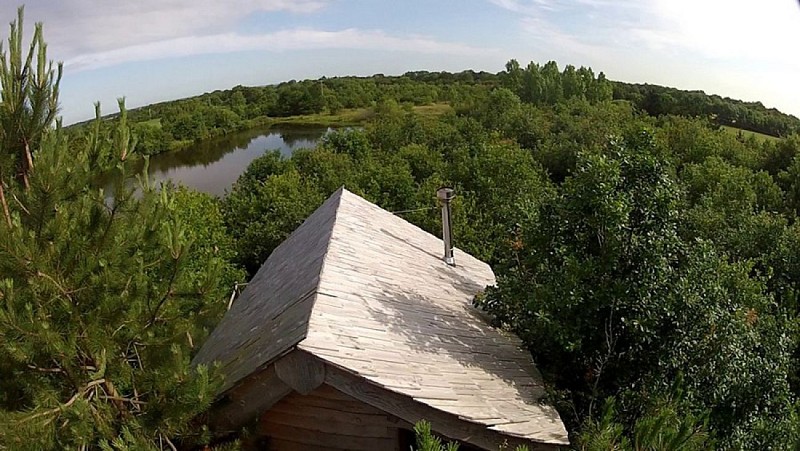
<point x="212" y="166"/>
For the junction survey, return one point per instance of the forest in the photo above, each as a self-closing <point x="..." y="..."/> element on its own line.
<point x="648" y="257"/>
<point x="350" y="101"/>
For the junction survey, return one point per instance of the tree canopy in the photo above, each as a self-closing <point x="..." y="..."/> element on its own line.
<point x="646" y="262"/>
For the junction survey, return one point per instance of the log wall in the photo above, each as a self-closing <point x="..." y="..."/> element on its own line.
<point x="327" y="419"/>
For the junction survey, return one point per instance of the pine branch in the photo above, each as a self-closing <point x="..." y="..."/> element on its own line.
<point x="121" y="399"/>
<point x="171" y="445"/>
<point x="45" y="370"/>
<point x="63" y="291"/>
<point x="27" y="165"/>
<point x="20" y="204"/>
<point x="118" y="203"/>
<point x="67" y="404"/>
<point x="6" y="212"/>
<point x="170" y="285"/>
<point x="115" y="398"/>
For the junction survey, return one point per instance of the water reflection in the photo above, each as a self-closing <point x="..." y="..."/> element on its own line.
<point x="212" y="166"/>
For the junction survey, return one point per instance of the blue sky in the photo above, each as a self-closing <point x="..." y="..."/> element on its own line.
<point x="155" y="50"/>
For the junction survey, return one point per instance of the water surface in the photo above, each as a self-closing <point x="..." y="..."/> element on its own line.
<point x="212" y="166"/>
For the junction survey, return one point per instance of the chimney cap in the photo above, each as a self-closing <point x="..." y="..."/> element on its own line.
<point x="445" y="193"/>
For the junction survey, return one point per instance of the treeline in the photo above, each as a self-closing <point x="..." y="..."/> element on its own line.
<point x="172" y="125"/>
<point x="753" y="116"/>
<point x="546" y="85"/>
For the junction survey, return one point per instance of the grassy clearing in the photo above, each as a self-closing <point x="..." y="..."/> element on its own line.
<point x="354" y="116"/>
<point x="747" y="134"/>
<point x="152" y="122"/>
<point x="433" y="110"/>
<point x="346" y="117"/>
<point x="342" y="118"/>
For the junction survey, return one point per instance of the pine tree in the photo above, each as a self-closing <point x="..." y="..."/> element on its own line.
<point x="103" y="294"/>
<point x="29" y="103"/>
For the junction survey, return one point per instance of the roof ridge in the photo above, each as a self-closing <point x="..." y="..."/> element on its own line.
<point x="293" y="293"/>
<point x="335" y="197"/>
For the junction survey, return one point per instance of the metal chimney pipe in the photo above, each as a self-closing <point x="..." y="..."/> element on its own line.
<point x="445" y="195"/>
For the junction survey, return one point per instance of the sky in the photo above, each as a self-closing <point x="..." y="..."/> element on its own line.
<point x="154" y="50"/>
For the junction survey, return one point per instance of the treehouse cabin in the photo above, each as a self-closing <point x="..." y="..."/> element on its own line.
<point x="355" y="328"/>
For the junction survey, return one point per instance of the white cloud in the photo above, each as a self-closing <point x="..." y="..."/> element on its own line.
<point x="76" y="27"/>
<point x="296" y="39"/>
<point x="586" y="28"/>
<point x="765" y="31"/>
<point x="534" y="7"/>
<point x="529" y="7"/>
<point x="88" y="35"/>
<point x="730" y="30"/>
<point x="546" y="32"/>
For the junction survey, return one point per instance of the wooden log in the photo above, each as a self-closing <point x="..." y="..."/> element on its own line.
<point x="243" y="403"/>
<point x="330" y="422"/>
<point x="301" y="371"/>
<point x="275" y="444"/>
<point x="329" y="415"/>
<point x="315" y="439"/>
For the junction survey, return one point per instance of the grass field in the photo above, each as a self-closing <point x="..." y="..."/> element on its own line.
<point x="748" y="133"/>
<point x="154" y="122"/>
<point x="342" y="118"/>
<point x="436" y="109"/>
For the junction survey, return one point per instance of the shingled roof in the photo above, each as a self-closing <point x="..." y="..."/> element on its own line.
<point x="367" y="294"/>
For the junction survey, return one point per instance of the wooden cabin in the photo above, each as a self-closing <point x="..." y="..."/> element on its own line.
<point x="355" y="328"/>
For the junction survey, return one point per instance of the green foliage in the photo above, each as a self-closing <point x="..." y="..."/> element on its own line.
<point x="778" y="156"/>
<point x="575" y="126"/>
<point x="426" y="441"/>
<point x="617" y="302"/>
<point x="790" y="179"/>
<point x="103" y="300"/>
<point x="754" y="116"/>
<point x="353" y="100"/>
<point x="212" y="245"/>
<point x="732" y="206"/>
<point x="152" y="138"/>
<point x="29" y="99"/>
<point x="626" y="260"/>
<point x="545" y="85"/>
<point x="398" y="163"/>
<point x="663" y="428"/>
<point x="262" y="214"/>
<point x="643" y="258"/>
